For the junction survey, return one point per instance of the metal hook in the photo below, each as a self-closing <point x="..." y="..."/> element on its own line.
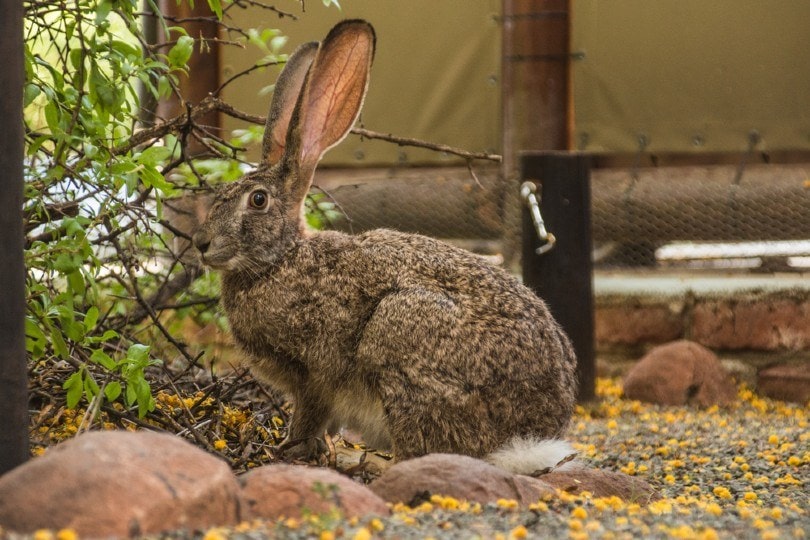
<point x="528" y="191"/>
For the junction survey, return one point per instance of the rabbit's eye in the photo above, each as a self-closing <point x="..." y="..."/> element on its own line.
<point x="258" y="200"/>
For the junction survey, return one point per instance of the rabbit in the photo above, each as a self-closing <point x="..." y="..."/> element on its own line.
<point x="420" y="346"/>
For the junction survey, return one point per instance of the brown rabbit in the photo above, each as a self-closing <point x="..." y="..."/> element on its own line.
<point x="420" y="346"/>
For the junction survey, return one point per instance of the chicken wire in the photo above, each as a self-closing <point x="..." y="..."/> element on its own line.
<point x="667" y="216"/>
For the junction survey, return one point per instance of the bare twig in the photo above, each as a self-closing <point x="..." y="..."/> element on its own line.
<point x="406" y="141"/>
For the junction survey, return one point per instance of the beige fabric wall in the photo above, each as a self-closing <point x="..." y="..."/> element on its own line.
<point x="435" y="76"/>
<point x="687" y="75"/>
<point x="691" y="75"/>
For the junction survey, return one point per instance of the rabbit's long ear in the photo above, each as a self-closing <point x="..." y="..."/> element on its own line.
<point x="285" y="96"/>
<point x="332" y="96"/>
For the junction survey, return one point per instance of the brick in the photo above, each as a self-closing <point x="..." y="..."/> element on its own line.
<point x="632" y="323"/>
<point x="764" y="323"/>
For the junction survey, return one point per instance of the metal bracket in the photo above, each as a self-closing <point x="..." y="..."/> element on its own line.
<point x="528" y="192"/>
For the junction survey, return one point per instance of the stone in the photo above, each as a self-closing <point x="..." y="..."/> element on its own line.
<point x="119" y="483"/>
<point x="461" y="477"/>
<point x="786" y="382"/>
<point x="680" y="373"/>
<point x="601" y="483"/>
<point x="275" y="491"/>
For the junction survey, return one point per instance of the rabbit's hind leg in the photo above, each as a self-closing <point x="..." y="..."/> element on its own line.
<point x="311" y="414"/>
<point x="430" y="388"/>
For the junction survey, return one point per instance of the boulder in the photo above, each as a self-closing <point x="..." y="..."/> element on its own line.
<point x="461" y="477"/>
<point x="119" y="483"/>
<point x="601" y="483"/>
<point x="275" y="491"/>
<point x="679" y="373"/>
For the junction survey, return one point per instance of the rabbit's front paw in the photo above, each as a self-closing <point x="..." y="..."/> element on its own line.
<point x="302" y="449"/>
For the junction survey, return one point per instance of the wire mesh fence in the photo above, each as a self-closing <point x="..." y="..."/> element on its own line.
<point x="755" y="217"/>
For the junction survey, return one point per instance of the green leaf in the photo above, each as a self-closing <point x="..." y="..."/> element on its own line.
<point x="181" y="52"/>
<point x="144" y="397"/>
<point x="74" y="386"/>
<point x="35" y="340"/>
<point x="138" y="355"/>
<point x="152" y="178"/>
<point x="154" y="155"/>
<point x="216" y="7"/>
<point x="76" y="283"/>
<point x="130" y="395"/>
<point x="106" y="336"/>
<point x="76" y="57"/>
<point x="67" y="262"/>
<point x="103" y="11"/>
<point x="90" y="318"/>
<point x="91" y="388"/>
<point x="30" y="93"/>
<point x="103" y="359"/>
<point x="112" y="391"/>
<point x="59" y="345"/>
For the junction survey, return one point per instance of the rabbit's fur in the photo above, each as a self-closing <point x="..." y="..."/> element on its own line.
<point x="421" y="346"/>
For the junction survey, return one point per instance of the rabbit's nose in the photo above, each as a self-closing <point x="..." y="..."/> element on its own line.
<point x="201" y="241"/>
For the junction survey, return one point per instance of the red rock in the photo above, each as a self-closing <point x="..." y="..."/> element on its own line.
<point x="679" y="373"/>
<point x="602" y="484"/>
<point x="119" y="483"/>
<point x="461" y="477"/>
<point x="275" y="491"/>
<point x="786" y="382"/>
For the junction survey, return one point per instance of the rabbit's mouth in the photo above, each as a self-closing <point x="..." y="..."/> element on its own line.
<point x="218" y="260"/>
<point x="225" y="261"/>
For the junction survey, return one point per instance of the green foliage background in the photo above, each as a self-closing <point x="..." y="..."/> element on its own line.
<point x="97" y="244"/>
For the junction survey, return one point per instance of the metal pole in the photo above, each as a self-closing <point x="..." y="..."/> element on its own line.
<point x="13" y="378"/>
<point x="562" y="275"/>
<point x="203" y="66"/>
<point x="535" y="93"/>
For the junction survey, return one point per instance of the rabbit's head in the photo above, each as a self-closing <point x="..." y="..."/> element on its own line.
<point x="317" y="99"/>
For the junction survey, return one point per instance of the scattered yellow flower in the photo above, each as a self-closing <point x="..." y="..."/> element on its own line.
<point x="519" y="532"/>
<point x="215" y="534"/>
<point x="508" y="504"/>
<point x="362" y="534"/>
<point x="579" y="513"/>
<point x="708" y="534"/>
<point x="66" y="534"/>
<point x="714" y="509"/>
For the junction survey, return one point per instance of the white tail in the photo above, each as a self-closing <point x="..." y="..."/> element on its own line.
<point x="527" y="455"/>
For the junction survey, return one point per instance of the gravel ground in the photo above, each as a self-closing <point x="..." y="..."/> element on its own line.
<point x="741" y="472"/>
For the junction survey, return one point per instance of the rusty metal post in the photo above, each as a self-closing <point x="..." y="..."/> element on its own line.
<point x="13" y="377"/>
<point x="535" y="94"/>
<point x="204" y="67"/>
<point x="562" y="276"/>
